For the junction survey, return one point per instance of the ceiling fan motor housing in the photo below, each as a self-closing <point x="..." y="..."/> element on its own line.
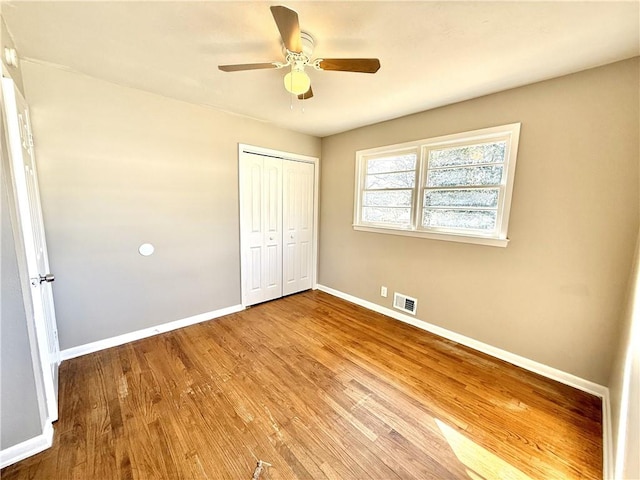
<point x="307" y="42"/>
<point x="303" y="58"/>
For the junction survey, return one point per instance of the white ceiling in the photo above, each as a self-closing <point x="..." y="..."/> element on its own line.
<point x="432" y="53"/>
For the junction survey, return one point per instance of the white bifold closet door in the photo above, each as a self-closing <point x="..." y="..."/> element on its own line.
<point x="276" y="227"/>
<point x="297" y="226"/>
<point x="261" y="228"/>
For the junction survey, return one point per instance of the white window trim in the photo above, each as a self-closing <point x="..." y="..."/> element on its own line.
<point x="509" y="132"/>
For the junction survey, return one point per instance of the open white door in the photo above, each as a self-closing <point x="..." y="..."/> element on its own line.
<point x="24" y="175"/>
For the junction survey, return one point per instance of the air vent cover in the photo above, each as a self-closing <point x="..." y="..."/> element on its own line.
<point x="405" y="303"/>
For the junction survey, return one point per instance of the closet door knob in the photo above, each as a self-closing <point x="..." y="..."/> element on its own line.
<point x="49" y="277"/>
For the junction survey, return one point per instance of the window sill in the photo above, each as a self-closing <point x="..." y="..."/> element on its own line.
<point x="492" y="242"/>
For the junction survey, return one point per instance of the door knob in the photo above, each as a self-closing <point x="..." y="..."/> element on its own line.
<point x="49" y="277"/>
<point x="292" y="235"/>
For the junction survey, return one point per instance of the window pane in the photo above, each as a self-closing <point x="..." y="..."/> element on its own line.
<point x="478" y="197"/>
<point x="396" y="216"/>
<point x="392" y="198"/>
<point x="390" y="180"/>
<point x="469" y="219"/>
<point x="469" y="155"/>
<point x="465" y="176"/>
<point x="392" y="164"/>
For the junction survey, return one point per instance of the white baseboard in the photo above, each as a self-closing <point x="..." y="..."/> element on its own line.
<point x="608" y="459"/>
<point x="25" y="449"/>
<point x="526" y="363"/>
<point x="146" y="332"/>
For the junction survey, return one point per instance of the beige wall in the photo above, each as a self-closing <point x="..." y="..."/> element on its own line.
<point x="554" y="295"/>
<point x="119" y="167"/>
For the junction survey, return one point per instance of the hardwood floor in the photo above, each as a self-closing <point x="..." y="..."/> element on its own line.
<point x="319" y="388"/>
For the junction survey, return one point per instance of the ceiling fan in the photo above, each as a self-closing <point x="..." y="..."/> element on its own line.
<point x="298" y="47"/>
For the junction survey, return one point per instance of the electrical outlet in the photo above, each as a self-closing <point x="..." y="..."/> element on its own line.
<point x="383" y="292"/>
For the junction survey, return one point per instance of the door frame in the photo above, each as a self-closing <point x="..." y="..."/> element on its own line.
<point x="296" y="157"/>
<point x="36" y="327"/>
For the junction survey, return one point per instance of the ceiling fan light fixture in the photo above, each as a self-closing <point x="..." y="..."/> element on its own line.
<point x="297" y="48"/>
<point x="297" y="81"/>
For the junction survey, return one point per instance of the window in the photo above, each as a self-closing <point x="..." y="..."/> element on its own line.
<point x="457" y="187"/>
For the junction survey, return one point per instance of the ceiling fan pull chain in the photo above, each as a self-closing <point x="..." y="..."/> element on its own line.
<point x="291" y="93"/>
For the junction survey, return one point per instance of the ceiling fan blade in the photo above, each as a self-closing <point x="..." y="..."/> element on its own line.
<point x="306" y="95"/>
<point x="246" y="66"/>
<point x="361" y="65"/>
<point x="289" y="27"/>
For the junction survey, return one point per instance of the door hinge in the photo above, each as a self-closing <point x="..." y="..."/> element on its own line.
<point x="30" y="140"/>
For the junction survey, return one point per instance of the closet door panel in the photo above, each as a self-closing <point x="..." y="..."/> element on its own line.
<point x="272" y="211"/>
<point x="251" y="172"/>
<point x="261" y="228"/>
<point x="297" y="225"/>
<point x="255" y="275"/>
<point x="305" y="225"/>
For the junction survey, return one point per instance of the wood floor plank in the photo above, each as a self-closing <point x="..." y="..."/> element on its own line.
<point x="320" y="389"/>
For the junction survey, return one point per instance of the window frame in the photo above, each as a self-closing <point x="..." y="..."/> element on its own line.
<point x="509" y="133"/>
<point x="414" y="200"/>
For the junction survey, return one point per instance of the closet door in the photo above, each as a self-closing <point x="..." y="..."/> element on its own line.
<point x="261" y="228"/>
<point x="297" y="226"/>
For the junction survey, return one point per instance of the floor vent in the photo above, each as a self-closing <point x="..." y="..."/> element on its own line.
<point x="404" y="303"/>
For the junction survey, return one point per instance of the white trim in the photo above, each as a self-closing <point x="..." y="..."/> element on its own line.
<point x="450" y="237"/>
<point x="528" y="364"/>
<point x="608" y="459"/>
<point x="243" y="147"/>
<point x="316" y="222"/>
<point x="92" y="347"/>
<point x="29" y="447"/>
